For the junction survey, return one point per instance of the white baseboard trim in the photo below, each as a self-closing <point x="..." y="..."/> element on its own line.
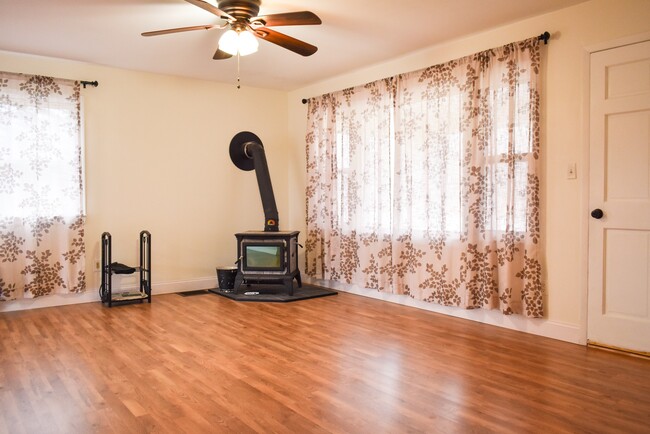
<point x="92" y="295"/>
<point x="536" y="326"/>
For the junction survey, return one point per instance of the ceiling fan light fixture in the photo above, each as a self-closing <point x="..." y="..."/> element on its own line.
<point x="248" y="43"/>
<point x="246" y="26"/>
<point x="228" y="42"/>
<point x="243" y="42"/>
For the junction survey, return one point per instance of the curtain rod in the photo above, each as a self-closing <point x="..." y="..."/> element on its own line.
<point x="84" y="83"/>
<point x="89" y="83"/>
<point x="543" y="37"/>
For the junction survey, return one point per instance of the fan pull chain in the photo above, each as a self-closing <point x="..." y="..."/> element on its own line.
<point x="238" y="81"/>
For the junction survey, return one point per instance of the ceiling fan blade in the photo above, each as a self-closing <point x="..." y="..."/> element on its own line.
<point x="210" y="8"/>
<point x="179" y="29"/>
<point x="285" y="41"/>
<point x="303" y="18"/>
<point x="219" y="55"/>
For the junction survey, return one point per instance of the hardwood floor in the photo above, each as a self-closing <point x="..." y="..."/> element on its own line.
<point x="341" y="364"/>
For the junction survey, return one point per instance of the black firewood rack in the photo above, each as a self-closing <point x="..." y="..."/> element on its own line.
<point x="108" y="268"/>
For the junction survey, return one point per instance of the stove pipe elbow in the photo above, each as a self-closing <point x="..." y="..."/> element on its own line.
<point x="255" y="152"/>
<point x="247" y="153"/>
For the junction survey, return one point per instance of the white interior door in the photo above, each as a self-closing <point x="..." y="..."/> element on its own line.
<point x="619" y="240"/>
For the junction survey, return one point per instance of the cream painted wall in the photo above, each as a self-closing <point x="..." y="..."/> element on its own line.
<point x="157" y="159"/>
<point x="164" y="141"/>
<point x="564" y="141"/>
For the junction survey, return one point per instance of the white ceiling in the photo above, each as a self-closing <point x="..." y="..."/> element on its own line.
<point x="354" y="33"/>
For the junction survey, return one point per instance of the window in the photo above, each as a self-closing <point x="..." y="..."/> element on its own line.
<point x="426" y="183"/>
<point x="42" y="196"/>
<point x="40" y="149"/>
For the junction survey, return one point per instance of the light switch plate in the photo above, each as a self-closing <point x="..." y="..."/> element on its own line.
<point x="571" y="171"/>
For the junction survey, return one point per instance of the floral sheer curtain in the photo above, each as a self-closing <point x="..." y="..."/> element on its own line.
<point x="41" y="187"/>
<point x="427" y="183"/>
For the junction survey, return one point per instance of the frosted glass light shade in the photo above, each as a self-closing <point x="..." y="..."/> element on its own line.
<point x="229" y="42"/>
<point x="248" y="43"/>
<point x="243" y="42"/>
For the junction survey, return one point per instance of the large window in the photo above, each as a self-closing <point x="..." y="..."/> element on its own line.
<point x="427" y="184"/>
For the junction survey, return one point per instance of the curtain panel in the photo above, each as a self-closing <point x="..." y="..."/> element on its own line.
<point x="427" y="183"/>
<point x="41" y="187"/>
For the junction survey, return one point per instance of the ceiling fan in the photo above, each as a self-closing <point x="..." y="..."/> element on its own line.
<point x="244" y="23"/>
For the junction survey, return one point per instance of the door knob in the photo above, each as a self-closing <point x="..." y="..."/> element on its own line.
<point x="597" y="213"/>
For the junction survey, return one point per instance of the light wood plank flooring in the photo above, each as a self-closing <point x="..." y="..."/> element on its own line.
<point x="341" y="364"/>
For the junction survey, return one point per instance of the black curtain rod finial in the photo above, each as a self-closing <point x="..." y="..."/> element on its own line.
<point x="305" y="100"/>
<point x="89" y="83"/>
<point x="544" y="37"/>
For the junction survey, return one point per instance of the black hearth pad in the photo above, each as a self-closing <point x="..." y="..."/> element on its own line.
<point x="193" y="293"/>
<point x="275" y="293"/>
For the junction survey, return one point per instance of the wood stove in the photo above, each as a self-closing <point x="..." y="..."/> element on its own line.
<point x="268" y="257"/>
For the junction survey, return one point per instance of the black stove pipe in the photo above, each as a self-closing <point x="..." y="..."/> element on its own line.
<point x="247" y="153"/>
<point x="255" y="151"/>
